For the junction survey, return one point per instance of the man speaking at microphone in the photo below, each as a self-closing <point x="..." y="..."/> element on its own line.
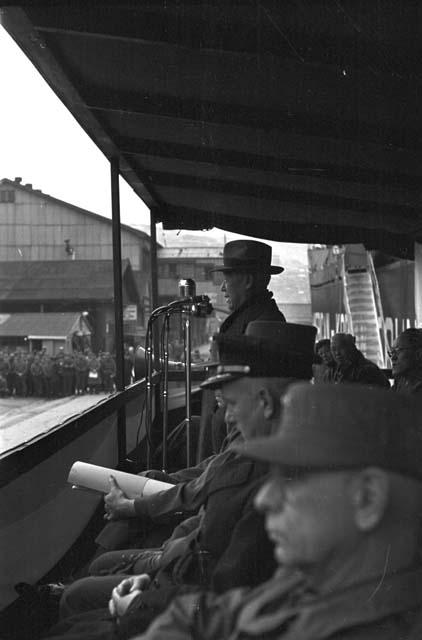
<point x="247" y="271"/>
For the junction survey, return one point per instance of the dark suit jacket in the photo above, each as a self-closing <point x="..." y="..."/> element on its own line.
<point x="259" y="308"/>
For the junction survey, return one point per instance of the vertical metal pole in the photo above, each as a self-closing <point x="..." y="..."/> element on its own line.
<point x="118" y="303"/>
<point x="154" y="342"/>
<point x="165" y="369"/>
<point x="154" y="264"/>
<point x="418" y="284"/>
<point x="187" y="331"/>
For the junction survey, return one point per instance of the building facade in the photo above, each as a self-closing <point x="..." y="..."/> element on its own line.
<point x="38" y="228"/>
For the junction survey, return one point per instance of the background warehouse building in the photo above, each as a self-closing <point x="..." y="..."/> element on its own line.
<point x="57" y="257"/>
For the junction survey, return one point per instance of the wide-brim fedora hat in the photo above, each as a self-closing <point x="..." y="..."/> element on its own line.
<point x="267" y="349"/>
<point x="247" y="255"/>
<point x="337" y="427"/>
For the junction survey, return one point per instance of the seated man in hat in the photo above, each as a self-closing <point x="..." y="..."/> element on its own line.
<point x="230" y="546"/>
<point x="406" y="360"/>
<point x="352" y="366"/>
<point x="343" y="506"/>
<point x="247" y="271"/>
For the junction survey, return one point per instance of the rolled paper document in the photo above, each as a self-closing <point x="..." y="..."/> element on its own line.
<point x="91" y="476"/>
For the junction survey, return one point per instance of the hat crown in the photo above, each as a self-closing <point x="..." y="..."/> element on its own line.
<point x="248" y="250"/>
<point x="248" y="254"/>
<point x="271" y="351"/>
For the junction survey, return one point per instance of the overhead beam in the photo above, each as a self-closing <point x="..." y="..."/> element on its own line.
<point x="404" y="213"/>
<point x="249" y="29"/>
<point x="257" y="141"/>
<point x="264" y="118"/>
<point x="284" y="165"/>
<point x="396" y="244"/>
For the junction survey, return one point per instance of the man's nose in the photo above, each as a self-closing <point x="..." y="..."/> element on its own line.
<point x="223" y="286"/>
<point x="269" y="497"/>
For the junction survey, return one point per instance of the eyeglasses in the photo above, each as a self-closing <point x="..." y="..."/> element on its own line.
<point x="394" y="351"/>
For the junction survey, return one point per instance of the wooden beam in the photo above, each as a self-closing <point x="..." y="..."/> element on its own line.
<point x="403" y="212"/>
<point x="297" y="166"/>
<point x="316" y="34"/>
<point x="396" y="244"/>
<point x="261" y="117"/>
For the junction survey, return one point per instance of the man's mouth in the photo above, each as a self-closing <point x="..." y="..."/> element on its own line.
<point x="275" y="535"/>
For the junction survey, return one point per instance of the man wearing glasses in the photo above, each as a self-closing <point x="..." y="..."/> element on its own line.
<point x="406" y="361"/>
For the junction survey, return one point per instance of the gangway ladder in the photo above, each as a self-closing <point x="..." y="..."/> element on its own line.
<point x="361" y="297"/>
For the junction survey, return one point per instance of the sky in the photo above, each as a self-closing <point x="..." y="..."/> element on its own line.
<point x="41" y="142"/>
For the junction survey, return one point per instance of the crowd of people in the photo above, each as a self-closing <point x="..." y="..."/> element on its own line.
<point x="38" y="374"/>
<point x="340" y="361"/>
<point x="304" y="524"/>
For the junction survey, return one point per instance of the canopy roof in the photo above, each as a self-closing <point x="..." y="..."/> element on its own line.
<point x="42" y="325"/>
<point x="296" y="120"/>
<point x="63" y="280"/>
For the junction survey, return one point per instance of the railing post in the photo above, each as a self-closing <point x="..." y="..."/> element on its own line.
<point x="154" y="262"/>
<point x="118" y="304"/>
<point x="418" y="284"/>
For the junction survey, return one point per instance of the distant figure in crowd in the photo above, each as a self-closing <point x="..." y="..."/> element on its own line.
<point x="20" y="368"/>
<point x="4" y="374"/>
<point x="37" y="376"/>
<point x="108" y="372"/>
<point x="81" y="372"/>
<point x="40" y="375"/>
<point x="343" y="508"/>
<point x="325" y="367"/>
<point x="406" y="360"/>
<point x="94" y="373"/>
<point x="351" y="364"/>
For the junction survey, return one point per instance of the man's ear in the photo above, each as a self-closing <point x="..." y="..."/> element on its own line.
<point x="370" y="496"/>
<point x="267" y="403"/>
<point x="249" y="281"/>
<point x="418" y="356"/>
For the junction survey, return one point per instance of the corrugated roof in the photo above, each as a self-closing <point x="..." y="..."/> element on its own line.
<point x="38" y="324"/>
<point x="49" y="280"/>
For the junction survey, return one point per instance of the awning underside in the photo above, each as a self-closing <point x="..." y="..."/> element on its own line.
<point x="295" y="121"/>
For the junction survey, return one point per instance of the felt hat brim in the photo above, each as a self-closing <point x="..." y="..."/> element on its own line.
<point x="217" y="381"/>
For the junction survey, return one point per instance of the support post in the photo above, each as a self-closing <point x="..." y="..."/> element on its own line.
<point x="154" y="263"/>
<point x="118" y="304"/>
<point x="154" y="305"/>
<point x="418" y="284"/>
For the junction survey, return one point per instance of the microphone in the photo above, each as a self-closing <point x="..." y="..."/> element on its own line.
<point x="201" y="305"/>
<point x="187" y="288"/>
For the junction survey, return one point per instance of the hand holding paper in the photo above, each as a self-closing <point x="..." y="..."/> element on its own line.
<point x="95" y="478"/>
<point x="116" y="503"/>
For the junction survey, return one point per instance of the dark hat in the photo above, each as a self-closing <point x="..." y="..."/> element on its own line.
<point x="267" y="350"/>
<point x="247" y="255"/>
<point x="329" y="427"/>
